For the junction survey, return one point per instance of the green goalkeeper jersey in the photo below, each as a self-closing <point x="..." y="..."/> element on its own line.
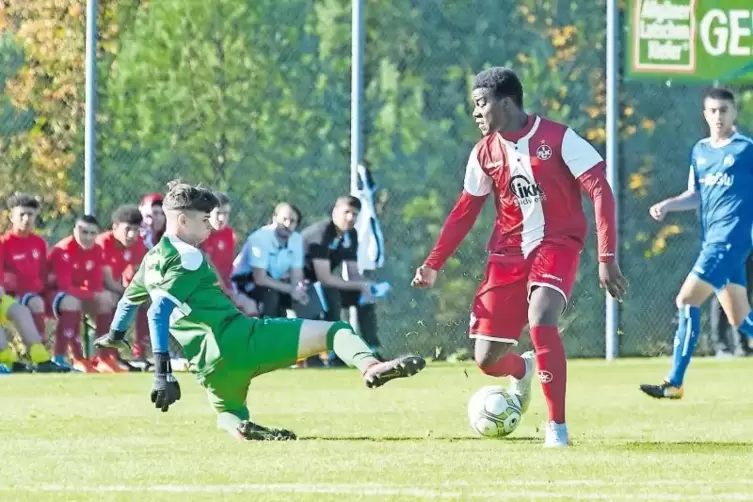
<point x="205" y="323"/>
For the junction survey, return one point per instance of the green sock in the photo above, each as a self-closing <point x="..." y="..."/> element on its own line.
<point x="342" y="339"/>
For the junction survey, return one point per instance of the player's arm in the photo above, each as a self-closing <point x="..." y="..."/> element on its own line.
<point x="296" y="269"/>
<point x="169" y="292"/>
<point x="319" y="254"/>
<point x="476" y="187"/>
<point x="689" y="200"/>
<point x="110" y="283"/>
<point x="64" y="281"/>
<point x="258" y="258"/>
<point x="589" y="169"/>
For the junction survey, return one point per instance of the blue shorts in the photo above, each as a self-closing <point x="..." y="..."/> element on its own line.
<point x="722" y="264"/>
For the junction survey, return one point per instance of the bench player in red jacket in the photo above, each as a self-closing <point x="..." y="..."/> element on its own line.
<point x="76" y="285"/>
<point x="122" y="252"/>
<point x="23" y="256"/>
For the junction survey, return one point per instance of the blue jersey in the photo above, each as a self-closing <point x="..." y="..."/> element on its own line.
<point x="723" y="176"/>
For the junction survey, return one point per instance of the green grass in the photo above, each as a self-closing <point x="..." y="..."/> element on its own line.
<point x="97" y="438"/>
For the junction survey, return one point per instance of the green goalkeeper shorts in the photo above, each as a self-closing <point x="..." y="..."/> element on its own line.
<point x="272" y="344"/>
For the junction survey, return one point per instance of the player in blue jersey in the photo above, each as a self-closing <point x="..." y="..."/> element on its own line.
<point x="721" y="186"/>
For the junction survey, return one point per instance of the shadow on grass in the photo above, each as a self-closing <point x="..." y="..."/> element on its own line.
<point x="447" y="439"/>
<point x="690" y="446"/>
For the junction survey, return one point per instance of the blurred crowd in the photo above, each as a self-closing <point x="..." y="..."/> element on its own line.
<point x="56" y="297"/>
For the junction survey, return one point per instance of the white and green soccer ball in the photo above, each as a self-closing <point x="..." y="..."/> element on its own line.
<point x="493" y="412"/>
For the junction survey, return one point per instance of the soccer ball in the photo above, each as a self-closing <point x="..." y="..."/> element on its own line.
<point x="493" y="412"/>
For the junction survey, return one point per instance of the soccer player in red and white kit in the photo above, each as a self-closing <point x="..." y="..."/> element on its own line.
<point x="76" y="285"/>
<point x="535" y="170"/>
<point x="122" y="252"/>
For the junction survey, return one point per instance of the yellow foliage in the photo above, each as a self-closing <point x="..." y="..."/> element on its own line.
<point x="648" y="125"/>
<point x="660" y="242"/>
<point x="628" y="111"/>
<point x="51" y="83"/>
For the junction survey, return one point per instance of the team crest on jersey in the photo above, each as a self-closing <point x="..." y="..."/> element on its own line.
<point x="89" y="265"/>
<point x="525" y="190"/>
<point x="35" y="254"/>
<point x="65" y="256"/>
<point x="220" y="245"/>
<point x="127" y="255"/>
<point x="728" y="160"/>
<point x="544" y="152"/>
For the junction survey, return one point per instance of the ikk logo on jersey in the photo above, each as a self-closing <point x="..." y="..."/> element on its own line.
<point x="525" y="190"/>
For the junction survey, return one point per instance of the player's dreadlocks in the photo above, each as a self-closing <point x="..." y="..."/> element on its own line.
<point x="184" y="197"/>
<point x="503" y="82"/>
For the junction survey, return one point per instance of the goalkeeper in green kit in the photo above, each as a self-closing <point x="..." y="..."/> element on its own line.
<point x="225" y="349"/>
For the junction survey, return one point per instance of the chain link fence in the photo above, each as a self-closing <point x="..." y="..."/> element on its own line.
<point x="252" y="98"/>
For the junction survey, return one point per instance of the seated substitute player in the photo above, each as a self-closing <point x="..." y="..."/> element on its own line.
<point x="269" y="268"/>
<point x="721" y="185"/>
<point x="122" y="252"/>
<point x="24" y="259"/>
<point x="329" y="244"/>
<point x="153" y="225"/>
<point x="76" y="286"/>
<point x="225" y="348"/>
<point x="535" y="170"/>
<point x="22" y="264"/>
<point x="220" y="245"/>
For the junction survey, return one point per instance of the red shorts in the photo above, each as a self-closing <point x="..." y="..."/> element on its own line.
<point x="500" y="308"/>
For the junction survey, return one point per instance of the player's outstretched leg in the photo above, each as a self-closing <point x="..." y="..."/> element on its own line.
<point x="339" y="337"/>
<point x="692" y="294"/>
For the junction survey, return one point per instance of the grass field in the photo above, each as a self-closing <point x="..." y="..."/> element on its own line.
<point x="97" y="438"/>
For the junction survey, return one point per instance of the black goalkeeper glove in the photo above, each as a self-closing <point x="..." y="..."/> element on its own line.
<point x="113" y="340"/>
<point x="165" y="390"/>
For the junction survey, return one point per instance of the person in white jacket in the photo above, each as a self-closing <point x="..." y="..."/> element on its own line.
<point x="269" y="268"/>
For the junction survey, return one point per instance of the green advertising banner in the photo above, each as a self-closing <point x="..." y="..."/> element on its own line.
<point x="690" y="40"/>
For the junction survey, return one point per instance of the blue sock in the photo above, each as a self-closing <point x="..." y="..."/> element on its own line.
<point x="686" y="338"/>
<point x="746" y="328"/>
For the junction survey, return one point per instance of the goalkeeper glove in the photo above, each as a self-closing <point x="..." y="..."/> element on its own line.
<point x="165" y="390"/>
<point x="113" y="340"/>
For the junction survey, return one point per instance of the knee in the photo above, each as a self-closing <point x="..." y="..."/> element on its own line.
<point x="18" y="312"/>
<point x="36" y="305"/>
<point x="105" y="302"/>
<point x="487" y="353"/>
<point x="340" y="325"/>
<point x="545" y="307"/>
<point x="69" y="304"/>
<point x="682" y="300"/>
<point x="544" y="314"/>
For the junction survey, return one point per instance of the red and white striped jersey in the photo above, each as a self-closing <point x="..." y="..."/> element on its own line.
<point x="533" y="175"/>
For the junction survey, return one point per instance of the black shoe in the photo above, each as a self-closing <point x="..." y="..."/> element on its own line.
<point x="19" y="367"/>
<point x="663" y="391"/>
<point x="402" y="367"/>
<point x="254" y="432"/>
<point x="51" y="367"/>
